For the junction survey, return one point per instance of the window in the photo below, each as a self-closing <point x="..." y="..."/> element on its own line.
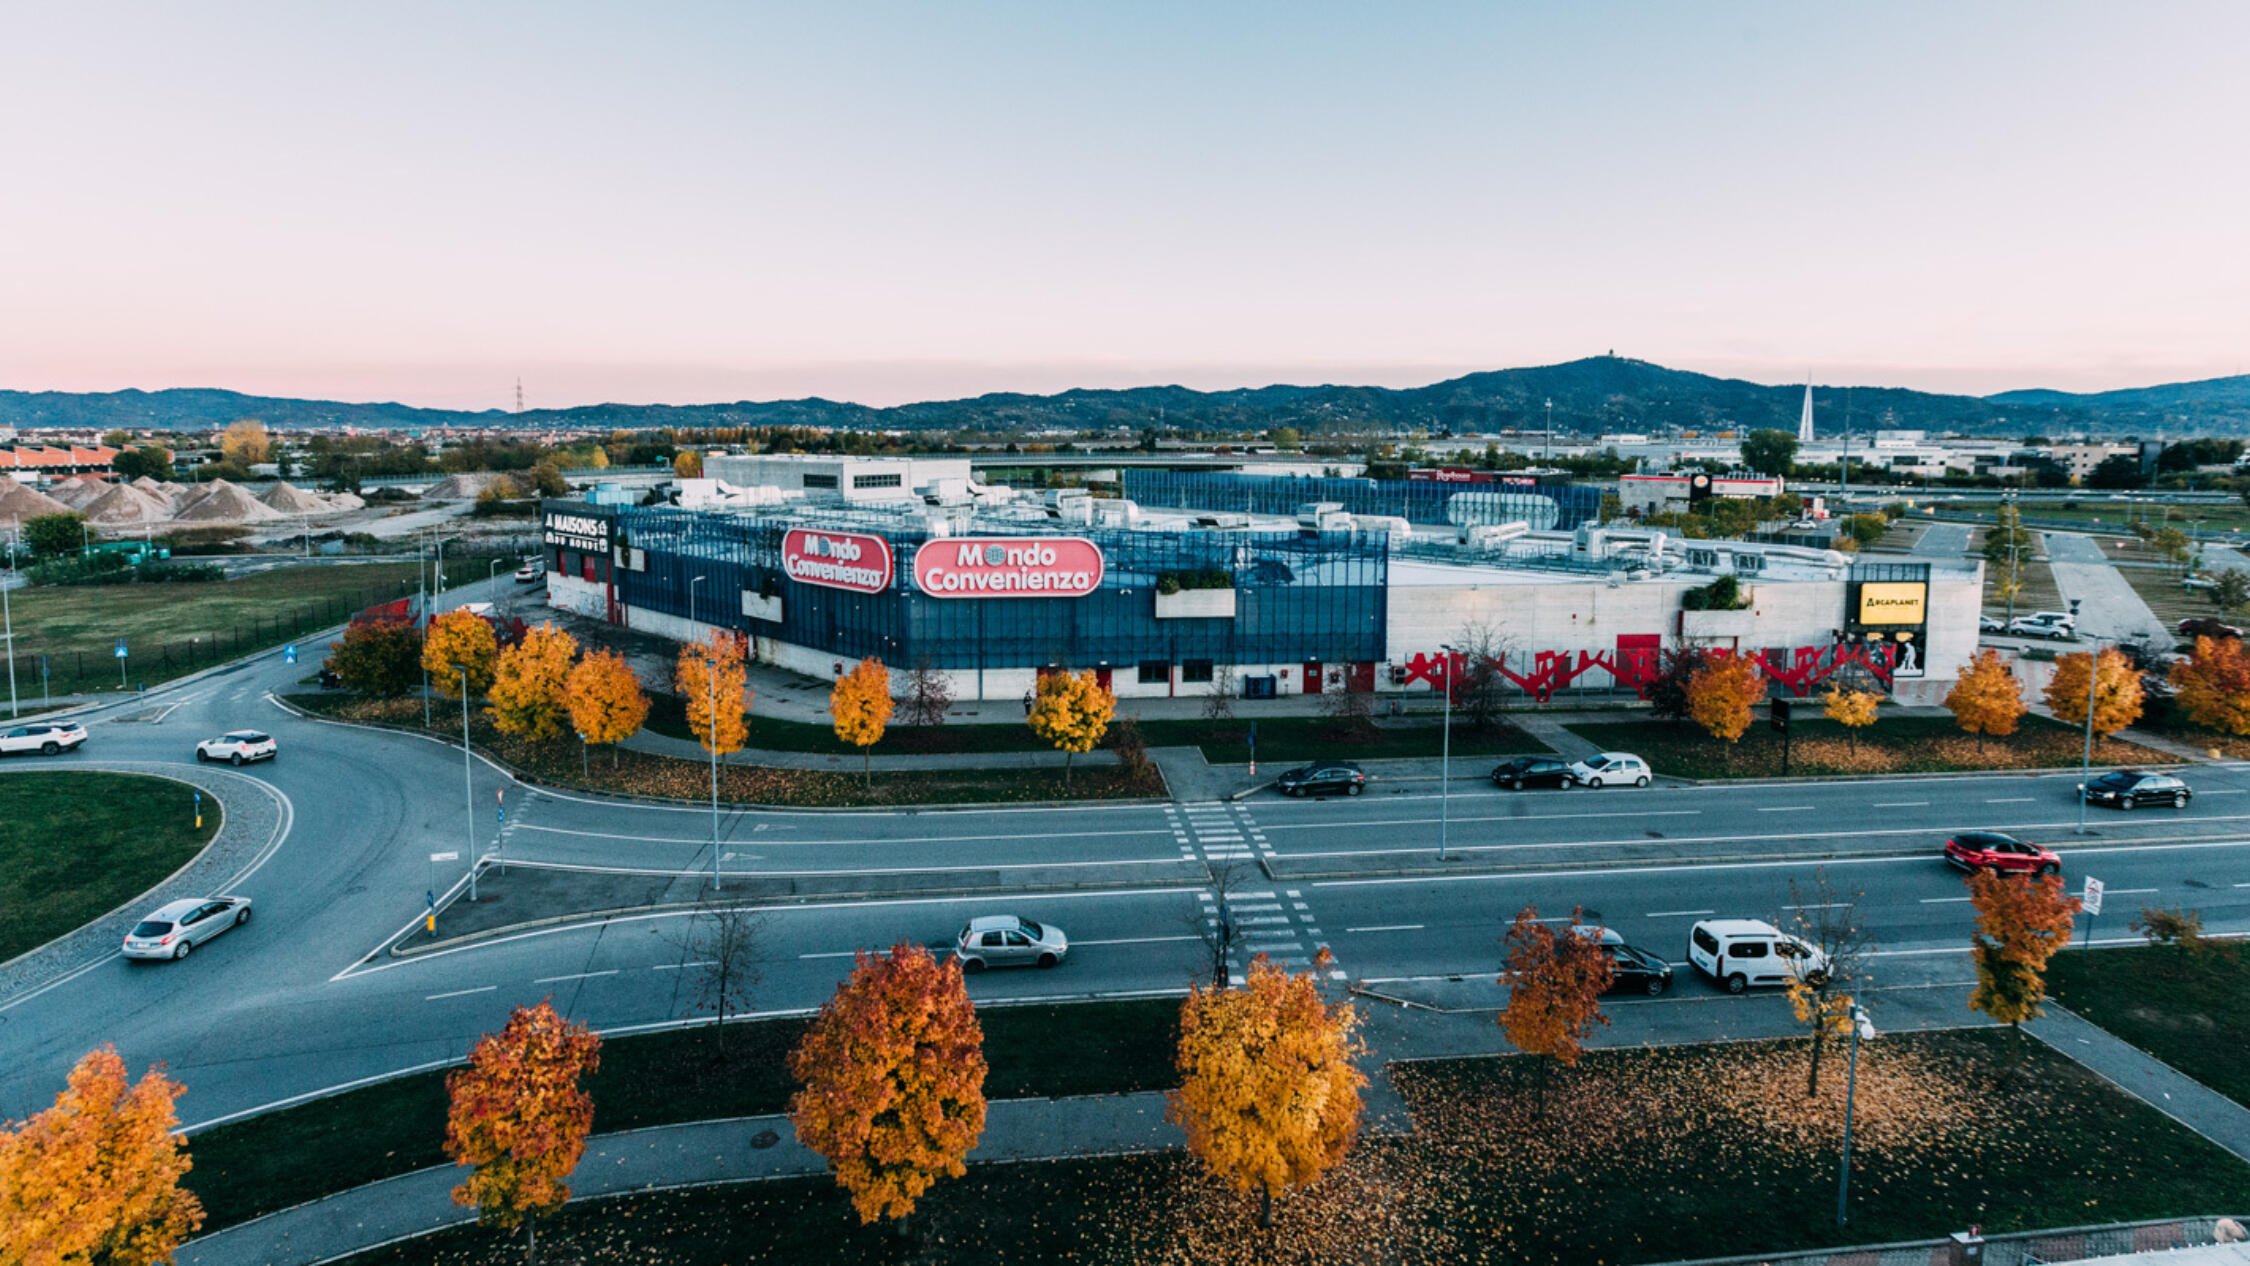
<point x="1195" y="670"/>
<point x="820" y="481"/>
<point x="994" y="940"/>
<point x="1156" y="672"/>
<point x="872" y="481"/>
<point x="1017" y="940"/>
<point x="1747" y="949"/>
<point x="1706" y="942"/>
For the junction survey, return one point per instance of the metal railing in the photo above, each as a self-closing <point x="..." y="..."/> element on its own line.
<point x="2020" y="1248"/>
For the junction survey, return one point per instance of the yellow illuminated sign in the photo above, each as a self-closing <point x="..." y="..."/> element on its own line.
<point x="1891" y="602"/>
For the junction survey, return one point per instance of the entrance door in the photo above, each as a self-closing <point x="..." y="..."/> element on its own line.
<point x="1101" y="676"/>
<point x="1313" y="674"/>
<point x="1362" y="680"/>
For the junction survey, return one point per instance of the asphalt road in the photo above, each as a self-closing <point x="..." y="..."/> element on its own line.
<point x="306" y="999"/>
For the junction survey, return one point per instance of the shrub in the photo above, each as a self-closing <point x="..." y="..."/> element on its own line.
<point x="1723" y="594"/>
<point x="2180" y="930"/>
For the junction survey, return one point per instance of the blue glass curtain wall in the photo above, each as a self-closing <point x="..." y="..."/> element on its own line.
<point x="1415" y="501"/>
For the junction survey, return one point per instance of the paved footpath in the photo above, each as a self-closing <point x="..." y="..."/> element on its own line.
<point x="2142" y="1075"/>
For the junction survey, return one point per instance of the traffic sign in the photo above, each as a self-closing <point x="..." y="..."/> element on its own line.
<point x="2091" y="902"/>
<point x="120" y="648"/>
<point x="289" y="653"/>
<point x="445" y="857"/>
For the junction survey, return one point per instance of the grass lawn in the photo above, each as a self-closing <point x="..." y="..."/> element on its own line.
<point x="1638" y="1156"/>
<point x="2190" y="1010"/>
<point x="638" y="773"/>
<point x="283" y="1158"/>
<point x="1894" y="744"/>
<point x="172" y="629"/>
<point x="123" y="833"/>
<point x="1280" y="739"/>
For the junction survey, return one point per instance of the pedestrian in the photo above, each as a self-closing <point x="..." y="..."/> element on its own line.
<point x="1027" y="698"/>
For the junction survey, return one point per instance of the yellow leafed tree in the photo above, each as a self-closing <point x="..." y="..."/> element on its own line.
<point x="460" y="640"/>
<point x="1071" y="711"/>
<point x="1721" y="692"/>
<point x="530" y="684"/>
<point x="1986" y="698"/>
<point x="688" y="465"/>
<point x="709" y="678"/>
<point x="861" y="704"/>
<point x="1269" y="1096"/>
<point x="607" y="704"/>
<point x="519" y="1117"/>
<point x="1852" y="709"/>
<point x="2117" y="692"/>
<point x="2214" y="685"/>
<point x="246" y="443"/>
<point x="96" y="1178"/>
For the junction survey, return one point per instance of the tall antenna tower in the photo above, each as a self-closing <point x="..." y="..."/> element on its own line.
<point x="519" y="393"/>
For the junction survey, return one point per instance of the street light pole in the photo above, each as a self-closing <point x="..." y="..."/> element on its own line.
<point x="691" y="598"/>
<point x="711" y="730"/>
<point x="468" y="788"/>
<point x="422" y="613"/>
<point x="8" y="615"/>
<point x="1445" y="765"/>
<point x="1860" y="1025"/>
<point x="2093" y="679"/>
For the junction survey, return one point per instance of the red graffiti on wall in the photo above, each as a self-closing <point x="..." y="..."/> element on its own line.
<point x="1799" y="669"/>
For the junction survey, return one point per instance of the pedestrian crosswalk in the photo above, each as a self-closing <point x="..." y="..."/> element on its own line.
<point x="1239" y="912"/>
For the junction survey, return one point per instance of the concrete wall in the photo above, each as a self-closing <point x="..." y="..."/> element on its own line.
<point x="580" y="597"/>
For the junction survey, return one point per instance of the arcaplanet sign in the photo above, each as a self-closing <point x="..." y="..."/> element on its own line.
<point x="839" y="560"/>
<point x="1893" y="602"/>
<point x="1008" y="567"/>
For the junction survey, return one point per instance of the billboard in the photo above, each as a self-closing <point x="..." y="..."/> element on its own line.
<point x="1892" y="603"/>
<point x="1008" y="567"/>
<point x="837" y="560"/>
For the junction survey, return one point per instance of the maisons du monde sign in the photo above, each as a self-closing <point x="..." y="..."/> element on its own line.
<point x="576" y="530"/>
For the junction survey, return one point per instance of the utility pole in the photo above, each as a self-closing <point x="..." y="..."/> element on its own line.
<point x="1445" y="761"/>
<point x="468" y="787"/>
<point x="711" y="730"/>
<point x="422" y="616"/>
<point x="8" y="614"/>
<point x="1860" y="1025"/>
<point x="1547" y="445"/>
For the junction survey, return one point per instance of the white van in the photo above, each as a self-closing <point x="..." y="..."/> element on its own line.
<point x="1739" y="953"/>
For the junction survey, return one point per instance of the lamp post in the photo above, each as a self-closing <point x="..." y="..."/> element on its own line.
<point x="711" y="728"/>
<point x="1445" y="760"/>
<point x="8" y="615"/>
<point x="1861" y="1027"/>
<point x="468" y="788"/>
<point x="691" y="598"/>
<point x="422" y="613"/>
<point x="493" y="570"/>
<point x="2093" y="679"/>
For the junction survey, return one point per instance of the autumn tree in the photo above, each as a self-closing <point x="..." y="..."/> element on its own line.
<point x="381" y="659"/>
<point x="722" y="944"/>
<point x="1071" y="711"/>
<point x="709" y="677"/>
<point x="2214" y="685"/>
<point x="893" y="1080"/>
<point x="1555" y="981"/>
<point x="1852" y="709"/>
<point x="688" y="464"/>
<point x="929" y="695"/>
<point x="458" y="641"/>
<point x="530" y="696"/>
<point x="95" y="1179"/>
<point x="519" y="1117"/>
<point x="1721" y="692"/>
<point x="246" y="443"/>
<point x="1829" y="921"/>
<point x="607" y="704"/>
<point x="2117" y="692"/>
<point x="860" y="705"/>
<point x="1269" y="1095"/>
<point x="1986" y="698"/>
<point x="2022" y="921"/>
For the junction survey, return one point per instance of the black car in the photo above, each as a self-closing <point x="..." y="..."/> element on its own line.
<point x="1331" y="778"/>
<point x="1531" y="771"/>
<point x="1632" y="969"/>
<point x="2128" y="788"/>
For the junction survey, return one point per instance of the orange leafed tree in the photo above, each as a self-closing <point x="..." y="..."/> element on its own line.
<point x="459" y="640"/>
<point x="96" y="1178"/>
<point x="1852" y="709"/>
<point x="1721" y="692"/>
<point x="2117" y="694"/>
<point x="861" y="704"/>
<point x="1268" y="1093"/>
<point x="1071" y="711"/>
<point x="520" y="1117"/>
<point x="2214" y="685"/>
<point x="1986" y="698"/>
<point x="688" y="465"/>
<point x="2022" y="921"/>
<point x="709" y="678"/>
<point x="1555" y="983"/>
<point x="530" y="695"/>
<point x="893" y="1072"/>
<point x="607" y="704"/>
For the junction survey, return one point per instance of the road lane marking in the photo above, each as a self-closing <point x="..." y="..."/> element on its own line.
<point x="1674" y="914"/>
<point x="1457" y="819"/>
<point x="1942" y="901"/>
<point x="1137" y="940"/>
<point x="2010" y="799"/>
<point x="1825" y="905"/>
<point x="1788" y="808"/>
<point x="708" y="962"/>
<point x="1900" y="804"/>
<point x="2133" y="892"/>
<point x="581" y="975"/>
<point x="458" y="993"/>
<point x="1388" y="927"/>
<point x="705" y="838"/>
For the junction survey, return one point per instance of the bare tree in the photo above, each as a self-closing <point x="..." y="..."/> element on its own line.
<point x="1221" y="930"/>
<point x="721" y="945"/>
<point x="1823" y="991"/>
<point x="1219" y="704"/>
<point x="1482" y="692"/>
<point x="1351" y="713"/>
<point x="928" y="694"/>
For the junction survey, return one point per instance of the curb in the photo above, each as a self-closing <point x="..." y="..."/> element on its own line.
<point x="2040" y="772"/>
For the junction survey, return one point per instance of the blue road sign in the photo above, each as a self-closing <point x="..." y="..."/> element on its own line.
<point x="501" y="815"/>
<point x="289" y="653"/>
<point x="120" y="648"/>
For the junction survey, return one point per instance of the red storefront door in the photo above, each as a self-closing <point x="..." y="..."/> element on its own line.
<point x="1312" y="677"/>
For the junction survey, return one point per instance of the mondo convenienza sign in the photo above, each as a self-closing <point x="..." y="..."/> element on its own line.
<point x="838" y="560"/>
<point x="1008" y="567"/>
<point x="1884" y="603"/>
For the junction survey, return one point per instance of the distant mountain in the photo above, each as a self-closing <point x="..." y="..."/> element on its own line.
<point x="1591" y="396"/>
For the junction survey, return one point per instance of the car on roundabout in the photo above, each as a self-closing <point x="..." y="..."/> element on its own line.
<point x="48" y="738"/>
<point x="2130" y="788"/>
<point x="174" y="929"/>
<point x="2000" y="853"/>
<point x="1610" y="769"/>
<point x="1632" y="969"/>
<point x="238" y="747"/>
<point x="1004" y="940"/>
<point x="1329" y="778"/>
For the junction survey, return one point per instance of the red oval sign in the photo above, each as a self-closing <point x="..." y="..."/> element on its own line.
<point x="837" y="560"/>
<point x="1008" y="567"/>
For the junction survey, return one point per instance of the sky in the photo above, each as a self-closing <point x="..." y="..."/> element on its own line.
<point x="687" y="202"/>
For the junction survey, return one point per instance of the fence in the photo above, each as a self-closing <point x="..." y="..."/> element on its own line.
<point x="2025" y="1248"/>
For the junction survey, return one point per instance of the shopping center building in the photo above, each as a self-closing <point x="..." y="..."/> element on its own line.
<point x="1359" y="592"/>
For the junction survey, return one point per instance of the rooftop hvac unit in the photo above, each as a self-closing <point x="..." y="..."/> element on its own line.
<point x="1115" y="512"/>
<point x="1221" y="522"/>
<point x="1314" y="509"/>
<point x="1490" y="536"/>
<point x="1390" y="523"/>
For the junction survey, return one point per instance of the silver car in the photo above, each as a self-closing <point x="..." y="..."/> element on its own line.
<point x="48" y="738"/>
<point x="239" y="747"/>
<point x="174" y="929"/>
<point x="1003" y="940"/>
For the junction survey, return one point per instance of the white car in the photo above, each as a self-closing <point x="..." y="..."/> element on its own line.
<point x="1740" y="953"/>
<point x="48" y="738"/>
<point x="240" y="747"/>
<point x="530" y="573"/>
<point x="1003" y="940"/>
<point x="1610" y="769"/>
<point x="2054" y="624"/>
<point x="174" y="929"/>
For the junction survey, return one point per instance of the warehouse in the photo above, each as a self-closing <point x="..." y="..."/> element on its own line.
<point x="999" y="586"/>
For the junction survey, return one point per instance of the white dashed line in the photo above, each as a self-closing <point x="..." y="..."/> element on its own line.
<point x="458" y="993"/>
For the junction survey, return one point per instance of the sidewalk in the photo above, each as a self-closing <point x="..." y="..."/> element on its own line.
<point x="2147" y="1078"/>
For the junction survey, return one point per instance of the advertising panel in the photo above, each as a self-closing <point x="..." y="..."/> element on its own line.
<point x="586" y="532"/>
<point x="1008" y="567"/>
<point x="837" y="560"/>
<point x="1893" y="603"/>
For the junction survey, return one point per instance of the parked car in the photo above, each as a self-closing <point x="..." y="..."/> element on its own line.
<point x="1610" y="769"/>
<point x="2128" y="788"/>
<point x="239" y="747"/>
<point x="174" y="929"/>
<point x="1740" y="953"/>
<point x="530" y="573"/>
<point x="2205" y="626"/>
<point x="1991" y="624"/>
<point x="48" y="738"/>
<point x="1003" y="940"/>
<point x="1531" y="771"/>
<point x="2002" y="854"/>
<point x="2055" y="624"/>
<point x="1634" y="969"/>
<point x="1332" y="778"/>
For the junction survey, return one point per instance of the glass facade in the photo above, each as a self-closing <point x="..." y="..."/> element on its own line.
<point x="1415" y="501"/>
<point x="1297" y="598"/>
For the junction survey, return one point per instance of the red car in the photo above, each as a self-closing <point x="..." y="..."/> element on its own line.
<point x="2003" y="854"/>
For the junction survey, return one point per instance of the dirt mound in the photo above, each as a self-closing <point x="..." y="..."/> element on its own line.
<point x="288" y="498"/>
<point x="79" y="491"/>
<point x="126" y="506"/>
<point x="18" y="503"/>
<point x="461" y="487"/>
<point x="224" y="502"/>
<point x="343" y="501"/>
